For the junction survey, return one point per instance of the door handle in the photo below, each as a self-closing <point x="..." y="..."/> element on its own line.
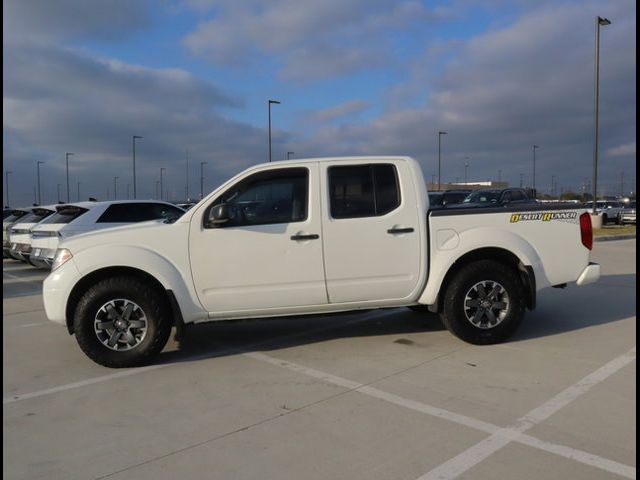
<point x="303" y="236"/>
<point x="394" y="231"/>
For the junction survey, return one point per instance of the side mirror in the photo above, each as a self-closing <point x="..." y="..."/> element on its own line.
<point x="218" y="215"/>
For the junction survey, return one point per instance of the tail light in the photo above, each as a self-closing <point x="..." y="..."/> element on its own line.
<point x="586" y="232"/>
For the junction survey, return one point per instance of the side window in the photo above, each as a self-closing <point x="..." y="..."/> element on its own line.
<point x="138" y="212"/>
<point x="270" y="197"/>
<point x="517" y="196"/>
<point x="363" y="190"/>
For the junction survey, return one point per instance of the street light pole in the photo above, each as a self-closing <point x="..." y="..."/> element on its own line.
<point x="161" y="185"/>
<point x="270" y="102"/>
<point x="67" y="162"/>
<point x="289" y="154"/>
<point x="202" y="164"/>
<point x="534" y="165"/>
<point x="6" y="182"/>
<point x="466" y="166"/>
<point x="186" y="187"/>
<point x="133" y="138"/>
<point x="38" y="163"/>
<point x="115" y="188"/>
<point x="439" y="151"/>
<point x="599" y="21"/>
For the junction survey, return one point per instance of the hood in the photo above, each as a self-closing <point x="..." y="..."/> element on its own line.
<point x="125" y="234"/>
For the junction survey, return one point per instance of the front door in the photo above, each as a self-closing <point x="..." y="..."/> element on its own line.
<point x="268" y="255"/>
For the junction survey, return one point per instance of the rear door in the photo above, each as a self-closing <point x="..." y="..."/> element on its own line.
<point x="371" y="230"/>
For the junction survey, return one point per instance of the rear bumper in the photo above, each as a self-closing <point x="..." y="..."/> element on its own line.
<point x="590" y="274"/>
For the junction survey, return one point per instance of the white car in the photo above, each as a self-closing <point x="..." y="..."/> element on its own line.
<point x="309" y="237"/>
<point x="75" y="218"/>
<point x="15" y="215"/>
<point x="20" y="232"/>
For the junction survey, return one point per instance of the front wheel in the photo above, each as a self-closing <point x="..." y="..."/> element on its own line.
<point x="484" y="303"/>
<point x="122" y="322"/>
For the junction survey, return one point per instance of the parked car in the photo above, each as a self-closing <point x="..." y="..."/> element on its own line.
<point x="496" y="198"/>
<point x="15" y="215"/>
<point x="20" y="231"/>
<point x="448" y="197"/>
<point x="628" y="214"/>
<point x="74" y="218"/>
<point x="609" y="209"/>
<point x="308" y="237"/>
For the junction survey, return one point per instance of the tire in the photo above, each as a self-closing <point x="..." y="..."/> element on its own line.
<point x="605" y="219"/>
<point x="478" y="319"/>
<point x="138" y="333"/>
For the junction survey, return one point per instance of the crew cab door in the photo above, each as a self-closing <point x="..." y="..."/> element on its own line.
<point x="268" y="255"/>
<point x="372" y="237"/>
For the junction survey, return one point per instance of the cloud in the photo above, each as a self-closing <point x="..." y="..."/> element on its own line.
<point x="628" y="149"/>
<point x="315" y="40"/>
<point x="59" y="100"/>
<point x="42" y="20"/>
<point x="338" y="111"/>
<point x="500" y="92"/>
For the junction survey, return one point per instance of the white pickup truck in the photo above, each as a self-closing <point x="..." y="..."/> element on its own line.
<point x="314" y="236"/>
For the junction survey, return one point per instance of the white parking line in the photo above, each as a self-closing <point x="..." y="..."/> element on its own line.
<point x="499" y="436"/>
<point x="480" y="451"/>
<point x="16" y="278"/>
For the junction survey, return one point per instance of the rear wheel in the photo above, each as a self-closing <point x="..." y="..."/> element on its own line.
<point x="605" y="219"/>
<point x="484" y="303"/>
<point x="122" y="322"/>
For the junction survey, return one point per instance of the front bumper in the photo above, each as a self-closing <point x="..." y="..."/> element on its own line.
<point x="590" y="274"/>
<point x="42" y="257"/>
<point x="20" y="251"/>
<point x="56" y="290"/>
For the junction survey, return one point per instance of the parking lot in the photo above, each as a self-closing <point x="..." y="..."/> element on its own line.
<point x="385" y="394"/>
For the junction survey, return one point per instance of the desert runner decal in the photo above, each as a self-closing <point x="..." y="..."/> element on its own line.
<point x="543" y="216"/>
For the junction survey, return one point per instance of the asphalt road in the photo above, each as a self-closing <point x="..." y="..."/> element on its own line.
<point x="380" y="395"/>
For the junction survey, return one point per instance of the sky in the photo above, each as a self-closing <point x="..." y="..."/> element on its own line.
<point x="354" y="77"/>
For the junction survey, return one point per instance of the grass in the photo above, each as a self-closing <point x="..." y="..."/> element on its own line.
<point x="615" y="230"/>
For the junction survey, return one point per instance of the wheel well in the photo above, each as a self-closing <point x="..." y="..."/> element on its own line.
<point x="98" y="275"/>
<point x="525" y="273"/>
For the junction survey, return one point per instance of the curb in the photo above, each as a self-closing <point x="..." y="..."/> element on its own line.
<point x="609" y="238"/>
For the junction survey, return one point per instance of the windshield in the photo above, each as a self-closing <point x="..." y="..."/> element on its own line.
<point x="482" y="197"/>
<point x="436" y="198"/>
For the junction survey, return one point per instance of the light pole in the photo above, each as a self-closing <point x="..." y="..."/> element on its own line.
<point x="599" y="21"/>
<point x="534" y="165"/>
<point x="466" y="166"/>
<point x="439" y="150"/>
<point x="161" y="185"/>
<point x="270" y="102"/>
<point x="202" y="164"/>
<point x="133" y="138"/>
<point x="115" y="188"/>
<point x="38" y="163"/>
<point x="67" y="162"/>
<point x="6" y="182"/>
<point x="186" y="185"/>
<point x="289" y="154"/>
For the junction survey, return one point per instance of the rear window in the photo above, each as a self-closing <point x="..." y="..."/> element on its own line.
<point x="363" y="190"/>
<point x="66" y="215"/>
<point x="139" y="212"/>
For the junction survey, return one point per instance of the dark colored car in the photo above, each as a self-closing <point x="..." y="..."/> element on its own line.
<point x="497" y="197"/>
<point x="442" y="199"/>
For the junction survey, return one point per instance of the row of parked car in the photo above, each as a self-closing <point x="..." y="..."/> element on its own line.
<point x="612" y="211"/>
<point x="32" y="234"/>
